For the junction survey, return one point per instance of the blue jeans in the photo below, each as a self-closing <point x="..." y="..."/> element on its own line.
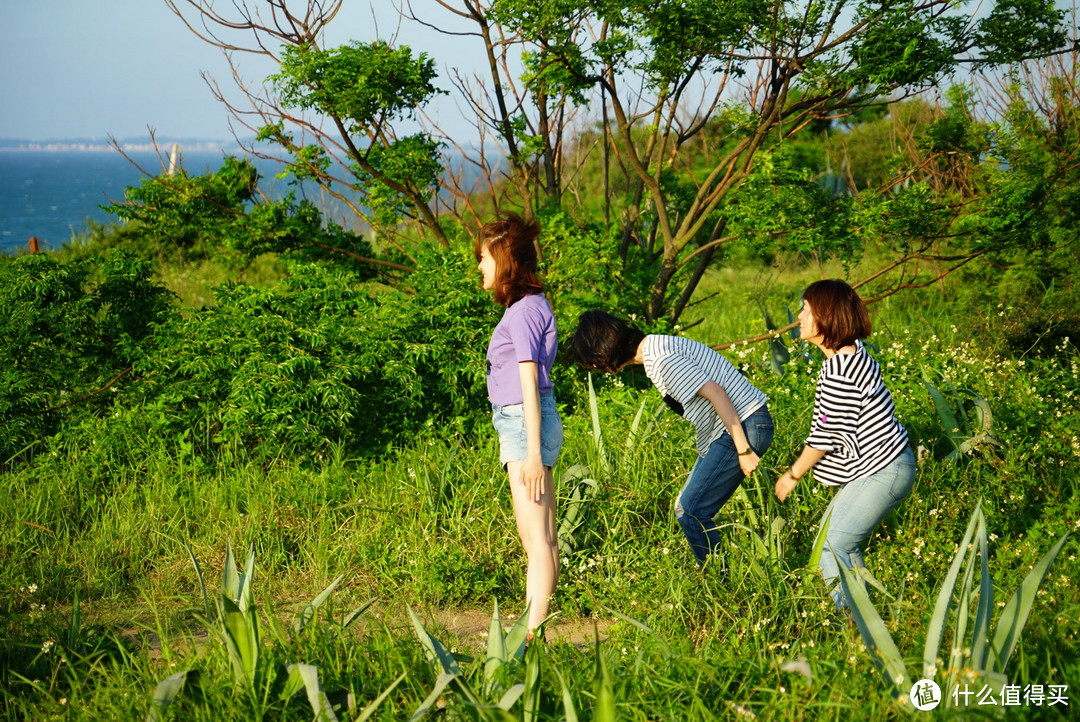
<point x="713" y="480"/>
<point x="854" y="513"/>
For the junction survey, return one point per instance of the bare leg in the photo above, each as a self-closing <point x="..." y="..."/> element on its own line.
<point x="539" y="537"/>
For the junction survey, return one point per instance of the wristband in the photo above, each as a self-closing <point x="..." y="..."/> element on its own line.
<point x="747" y="452"/>
<point x="791" y="473"/>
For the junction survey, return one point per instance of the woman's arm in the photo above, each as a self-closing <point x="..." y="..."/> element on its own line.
<point x="721" y="402"/>
<point x="532" y="469"/>
<point x="790" y="478"/>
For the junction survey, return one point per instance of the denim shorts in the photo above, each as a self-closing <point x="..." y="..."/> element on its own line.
<point x="509" y="422"/>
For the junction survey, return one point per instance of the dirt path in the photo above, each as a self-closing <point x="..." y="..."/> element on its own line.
<point x="467" y="627"/>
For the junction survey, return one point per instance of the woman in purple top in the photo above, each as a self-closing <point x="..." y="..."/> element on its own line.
<point x="519" y="360"/>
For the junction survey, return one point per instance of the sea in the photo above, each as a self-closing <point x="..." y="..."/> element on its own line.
<point x="53" y="195"/>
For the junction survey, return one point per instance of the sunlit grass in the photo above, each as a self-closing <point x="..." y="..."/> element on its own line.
<point x="429" y="525"/>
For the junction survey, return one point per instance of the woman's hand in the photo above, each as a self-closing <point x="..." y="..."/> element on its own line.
<point x="749" y="462"/>
<point x="532" y="476"/>
<point x="785" y="484"/>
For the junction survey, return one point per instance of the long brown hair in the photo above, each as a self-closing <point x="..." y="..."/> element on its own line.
<point x="511" y="241"/>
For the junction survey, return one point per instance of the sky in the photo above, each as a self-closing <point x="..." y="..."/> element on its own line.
<point x="79" y="69"/>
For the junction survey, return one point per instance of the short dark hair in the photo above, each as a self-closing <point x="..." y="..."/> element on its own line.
<point x="839" y="313"/>
<point x="511" y="241"/>
<point x="604" y="342"/>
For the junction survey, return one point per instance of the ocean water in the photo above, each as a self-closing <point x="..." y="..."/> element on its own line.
<point x="51" y="194"/>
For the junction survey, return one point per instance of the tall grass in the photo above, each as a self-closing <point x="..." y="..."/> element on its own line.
<point x="105" y="517"/>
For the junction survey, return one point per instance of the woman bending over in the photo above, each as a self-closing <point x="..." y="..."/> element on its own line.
<point x="729" y="414"/>
<point x="855" y="444"/>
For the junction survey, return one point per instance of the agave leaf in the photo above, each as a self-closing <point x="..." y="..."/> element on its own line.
<point x="945" y="413"/>
<point x="963" y="612"/>
<point x="819" y="542"/>
<point x="532" y="693"/>
<point x="569" y="711"/>
<point x="780" y="354"/>
<point x="308" y="612"/>
<point x="602" y="689"/>
<point x="1014" y="616"/>
<point x="515" y="638"/>
<point x="979" y="651"/>
<point x="202" y="583"/>
<point x="983" y="414"/>
<point x="875" y="634"/>
<point x="436" y="653"/>
<point x="366" y="713"/>
<point x="441" y="683"/>
<point x="512" y="695"/>
<point x="244" y="600"/>
<point x="230" y="580"/>
<point x="241" y="632"/>
<point x="635" y="424"/>
<point x="309" y="676"/>
<point x="496" y="649"/>
<point x="936" y="631"/>
<point x="167" y="690"/>
<point x="794" y="331"/>
<point x="355" y="614"/>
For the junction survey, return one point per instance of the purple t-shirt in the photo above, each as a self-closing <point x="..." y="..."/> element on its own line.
<point x="525" y="333"/>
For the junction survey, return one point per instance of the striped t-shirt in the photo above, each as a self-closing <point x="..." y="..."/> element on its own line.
<point x="854" y="419"/>
<point x="679" y="367"/>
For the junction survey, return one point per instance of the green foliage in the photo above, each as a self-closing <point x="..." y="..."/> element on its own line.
<point x="66" y="341"/>
<point x="363" y="84"/>
<point x="413" y="162"/>
<point x="220" y="212"/>
<point x="299" y="366"/>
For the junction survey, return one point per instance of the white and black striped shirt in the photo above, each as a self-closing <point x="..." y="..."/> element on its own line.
<point x="854" y="419"/>
<point x="679" y="367"/>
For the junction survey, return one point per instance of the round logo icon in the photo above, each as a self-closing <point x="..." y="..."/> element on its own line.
<point x="925" y="694"/>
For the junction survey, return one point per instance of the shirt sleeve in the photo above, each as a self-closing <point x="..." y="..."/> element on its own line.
<point x="527" y="330"/>
<point x="682" y="377"/>
<point x="837" y="407"/>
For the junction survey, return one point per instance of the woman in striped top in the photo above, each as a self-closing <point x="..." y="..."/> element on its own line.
<point x="855" y="441"/>
<point x="730" y="417"/>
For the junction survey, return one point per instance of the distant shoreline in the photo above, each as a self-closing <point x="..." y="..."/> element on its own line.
<point x="64" y="146"/>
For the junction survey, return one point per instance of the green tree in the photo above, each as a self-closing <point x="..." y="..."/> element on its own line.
<point x="702" y="106"/>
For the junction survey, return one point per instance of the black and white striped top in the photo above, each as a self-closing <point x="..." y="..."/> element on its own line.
<point x="679" y="367"/>
<point x="854" y="419"/>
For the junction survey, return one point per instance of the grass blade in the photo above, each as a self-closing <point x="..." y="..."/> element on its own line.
<point x="308" y="612"/>
<point x="202" y="583"/>
<point x="366" y="713"/>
